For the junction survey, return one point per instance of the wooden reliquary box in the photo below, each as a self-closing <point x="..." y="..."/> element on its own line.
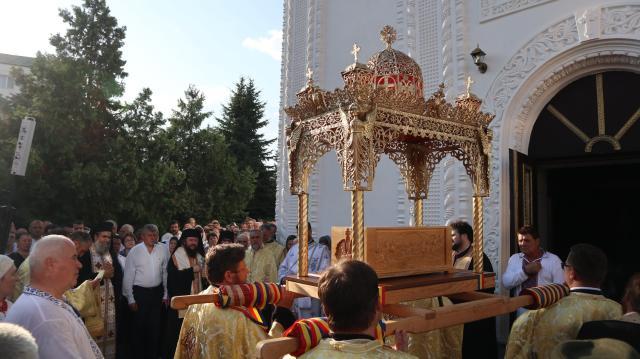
<point x="398" y="251"/>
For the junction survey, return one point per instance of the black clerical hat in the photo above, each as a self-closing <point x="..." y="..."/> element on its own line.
<point x="191" y="232"/>
<point x="102" y="227"/>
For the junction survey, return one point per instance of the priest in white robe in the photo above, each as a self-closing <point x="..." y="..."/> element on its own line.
<point x="101" y="257"/>
<point x="319" y="260"/>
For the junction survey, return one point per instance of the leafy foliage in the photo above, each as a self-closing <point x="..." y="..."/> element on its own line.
<point x="95" y="157"/>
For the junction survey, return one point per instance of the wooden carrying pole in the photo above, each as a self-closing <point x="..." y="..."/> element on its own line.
<point x="417" y="320"/>
<point x="181" y="302"/>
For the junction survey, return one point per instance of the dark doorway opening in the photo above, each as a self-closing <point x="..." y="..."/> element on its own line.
<point x="584" y="173"/>
<point x="597" y="204"/>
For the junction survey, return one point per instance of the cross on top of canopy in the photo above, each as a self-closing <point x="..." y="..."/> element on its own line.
<point x="381" y="109"/>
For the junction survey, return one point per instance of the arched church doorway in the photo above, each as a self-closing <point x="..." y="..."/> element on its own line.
<point x="580" y="181"/>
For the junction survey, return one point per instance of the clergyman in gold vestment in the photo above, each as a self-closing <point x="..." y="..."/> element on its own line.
<point x="536" y="333"/>
<point x="260" y="260"/>
<point x="348" y="291"/>
<point x="226" y="333"/>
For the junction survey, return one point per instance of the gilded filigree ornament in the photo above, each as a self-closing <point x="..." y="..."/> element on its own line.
<point x="381" y="109"/>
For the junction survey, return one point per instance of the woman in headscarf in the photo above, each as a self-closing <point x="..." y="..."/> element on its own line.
<point x="8" y="280"/>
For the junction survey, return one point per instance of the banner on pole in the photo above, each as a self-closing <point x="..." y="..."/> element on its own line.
<point x="23" y="146"/>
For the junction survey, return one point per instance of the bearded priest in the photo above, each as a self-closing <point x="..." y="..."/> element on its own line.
<point x="101" y="257"/>
<point x="185" y="273"/>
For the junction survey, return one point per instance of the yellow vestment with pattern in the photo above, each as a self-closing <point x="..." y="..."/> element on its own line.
<point x="353" y="349"/>
<point x="24" y="278"/>
<point x="212" y="332"/>
<point x="277" y="251"/>
<point x="262" y="266"/>
<point x="537" y="332"/>
<point x="445" y="343"/>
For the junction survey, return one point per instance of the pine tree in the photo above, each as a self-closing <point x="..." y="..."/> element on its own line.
<point x="213" y="183"/>
<point x="242" y="118"/>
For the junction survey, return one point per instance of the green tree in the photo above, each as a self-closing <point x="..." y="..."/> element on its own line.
<point x="213" y="183"/>
<point x="241" y="120"/>
<point x="143" y="176"/>
<point x="73" y="96"/>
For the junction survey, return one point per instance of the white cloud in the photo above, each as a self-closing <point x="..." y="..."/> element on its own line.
<point x="270" y="45"/>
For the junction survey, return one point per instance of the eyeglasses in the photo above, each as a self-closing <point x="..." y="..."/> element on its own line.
<point x="563" y="265"/>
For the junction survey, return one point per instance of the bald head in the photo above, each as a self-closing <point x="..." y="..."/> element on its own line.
<point x="54" y="265"/>
<point x="49" y="247"/>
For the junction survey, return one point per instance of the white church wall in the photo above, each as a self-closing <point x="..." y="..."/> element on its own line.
<point x="532" y="46"/>
<point x="439" y="35"/>
<point x="577" y="43"/>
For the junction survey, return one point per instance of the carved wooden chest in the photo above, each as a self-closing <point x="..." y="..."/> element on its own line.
<point x="398" y="251"/>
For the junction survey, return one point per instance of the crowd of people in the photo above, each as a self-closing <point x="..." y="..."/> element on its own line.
<point x="127" y="276"/>
<point x="104" y="291"/>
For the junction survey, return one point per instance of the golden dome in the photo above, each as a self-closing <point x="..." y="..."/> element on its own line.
<point x="393" y="69"/>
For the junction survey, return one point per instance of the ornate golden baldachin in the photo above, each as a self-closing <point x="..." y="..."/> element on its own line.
<point x="381" y="110"/>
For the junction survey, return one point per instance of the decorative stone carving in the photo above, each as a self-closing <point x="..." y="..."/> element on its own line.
<point x="462" y="50"/>
<point x="283" y="199"/>
<point x="616" y="21"/>
<point x="450" y="200"/>
<point x="524" y="123"/>
<point x="543" y="46"/>
<point x="588" y="22"/>
<point x="401" y="218"/>
<point x="621" y="20"/>
<point x="491" y="9"/>
<point x="447" y="45"/>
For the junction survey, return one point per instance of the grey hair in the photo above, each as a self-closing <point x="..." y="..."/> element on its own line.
<point x="243" y="234"/>
<point x="150" y="228"/>
<point x="128" y="227"/>
<point x="47" y="247"/>
<point x="17" y="342"/>
<point x="80" y="236"/>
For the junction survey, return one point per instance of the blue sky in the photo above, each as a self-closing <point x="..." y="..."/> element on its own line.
<point x="170" y="44"/>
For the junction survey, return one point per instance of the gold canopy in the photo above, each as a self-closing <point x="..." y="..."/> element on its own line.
<point x="381" y="110"/>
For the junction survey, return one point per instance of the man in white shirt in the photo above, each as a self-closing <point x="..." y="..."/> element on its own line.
<point x="174" y="231"/>
<point x="57" y="328"/>
<point x="533" y="266"/>
<point x="145" y="286"/>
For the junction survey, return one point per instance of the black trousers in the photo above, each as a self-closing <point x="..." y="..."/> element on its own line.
<point x="146" y="321"/>
<point x="124" y="330"/>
